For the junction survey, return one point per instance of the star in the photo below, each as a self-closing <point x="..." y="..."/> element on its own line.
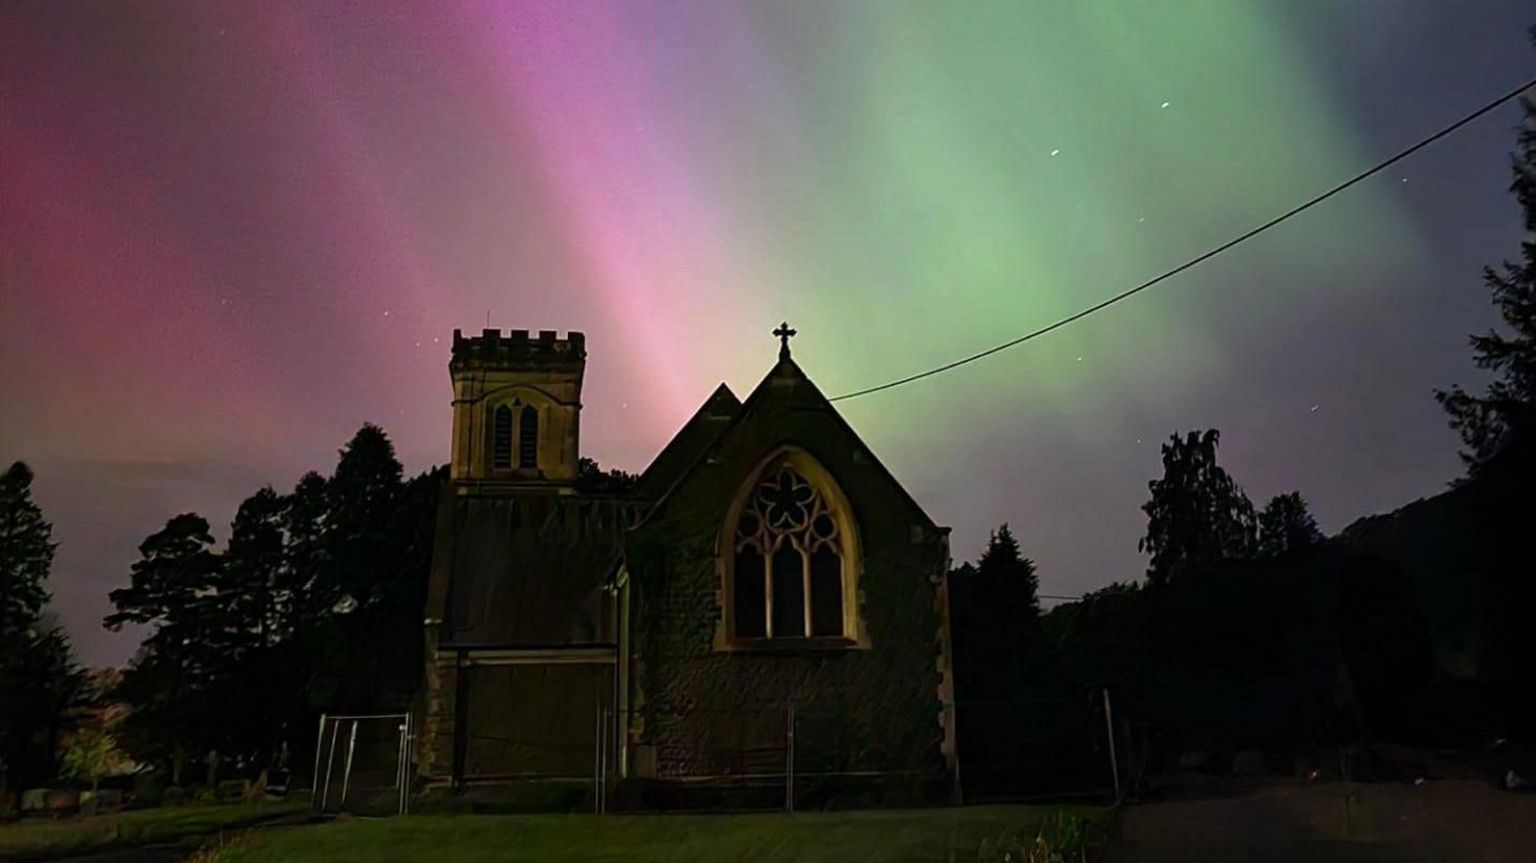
<point x="386" y="313"/>
<point x="1141" y="220"/>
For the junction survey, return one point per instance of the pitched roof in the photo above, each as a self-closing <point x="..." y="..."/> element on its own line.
<point x="691" y="440"/>
<point x="803" y="395"/>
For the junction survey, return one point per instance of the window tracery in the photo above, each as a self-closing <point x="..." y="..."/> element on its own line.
<point x="789" y="561"/>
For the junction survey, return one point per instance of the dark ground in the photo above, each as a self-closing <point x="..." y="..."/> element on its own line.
<point x="1461" y="820"/>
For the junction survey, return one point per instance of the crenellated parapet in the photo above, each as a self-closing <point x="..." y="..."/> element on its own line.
<point x="517" y="407"/>
<point x="518" y="349"/>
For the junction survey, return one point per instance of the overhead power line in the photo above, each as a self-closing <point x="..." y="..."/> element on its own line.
<point x="1193" y="262"/>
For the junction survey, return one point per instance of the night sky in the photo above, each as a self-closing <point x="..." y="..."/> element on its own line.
<point x="233" y="232"/>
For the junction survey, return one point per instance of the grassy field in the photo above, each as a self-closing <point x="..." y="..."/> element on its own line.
<point x="45" y="839"/>
<point x="889" y="836"/>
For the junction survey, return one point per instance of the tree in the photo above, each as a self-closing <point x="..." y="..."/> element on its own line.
<point x="995" y="612"/>
<point x="300" y="599"/>
<point x="40" y="683"/>
<point x="315" y="605"/>
<point x="1285" y="525"/>
<point x="39" y="680"/>
<point x="92" y="755"/>
<point x="592" y="479"/>
<point x="26" y="553"/>
<point x="253" y="565"/>
<point x="170" y="682"/>
<point x="1198" y="515"/>
<point x="1503" y="417"/>
<point x="360" y="501"/>
<point x="1012" y="578"/>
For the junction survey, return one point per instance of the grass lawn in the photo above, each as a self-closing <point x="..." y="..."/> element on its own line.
<point x="44" y="839"/>
<point x="811" y="837"/>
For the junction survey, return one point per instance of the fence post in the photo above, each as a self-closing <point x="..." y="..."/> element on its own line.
<point x="957" y="792"/>
<point x="597" y="764"/>
<point x="346" y="776"/>
<point x="330" y="765"/>
<point x="403" y="769"/>
<point x="1114" y="762"/>
<point x="789" y="767"/>
<point x="314" y="787"/>
<point x="603" y="747"/>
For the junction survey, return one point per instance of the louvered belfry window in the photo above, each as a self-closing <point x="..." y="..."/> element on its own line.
<point x="528" y="438"/>
<point x="501" y="438"/>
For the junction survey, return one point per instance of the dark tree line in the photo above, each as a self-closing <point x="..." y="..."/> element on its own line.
<point x="1199" y="516"/>
<point x="312" y="605"/>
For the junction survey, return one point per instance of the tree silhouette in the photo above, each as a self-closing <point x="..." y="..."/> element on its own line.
<point x="1503" y="416"/>
<point x="301" y="597"/>
<point x="994" y="614"/>
<point x="360" y="498"/>
<point x="171" y="681"/>
<point x="253" y="565"/>
<point x="315" y="605"/>
<point x="592" y="479"/>
<point x="39" y="680"/>
<point x="26" y="553"/>
<point x="1198" y="516"/>
<point x="1010" y="577"/>
<point x="1285" y="526"/>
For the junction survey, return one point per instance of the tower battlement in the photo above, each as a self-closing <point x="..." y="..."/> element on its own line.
<point x="517" y="349"/>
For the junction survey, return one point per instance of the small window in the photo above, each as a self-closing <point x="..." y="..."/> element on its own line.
<point x="501" y="438"/>
<point x="528" y="439"/>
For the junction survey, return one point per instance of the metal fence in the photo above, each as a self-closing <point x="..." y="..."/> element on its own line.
<point x="758" y="757"/>
<point x="363" y="764"/>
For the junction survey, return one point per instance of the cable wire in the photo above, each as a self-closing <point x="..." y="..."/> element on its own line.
<point x="1193" y="262"/>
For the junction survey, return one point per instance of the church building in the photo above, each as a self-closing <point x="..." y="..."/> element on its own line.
<point x="766" y="598"/>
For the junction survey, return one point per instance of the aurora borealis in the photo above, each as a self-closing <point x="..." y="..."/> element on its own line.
<point x="233" y="232"/>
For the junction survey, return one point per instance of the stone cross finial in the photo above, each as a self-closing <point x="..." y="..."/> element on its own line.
<point x="785" y="334"/>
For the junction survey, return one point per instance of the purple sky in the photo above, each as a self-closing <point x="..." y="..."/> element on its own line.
<point x="231" y="233"/>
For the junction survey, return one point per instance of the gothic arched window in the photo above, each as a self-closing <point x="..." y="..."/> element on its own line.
<point x="790" y="559"/>
<point x="501" y="438"/>
<point x="528" y="438"/>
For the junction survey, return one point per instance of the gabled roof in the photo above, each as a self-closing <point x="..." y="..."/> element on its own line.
<point x="691" y="440"/>
<point x="804" y="395"/>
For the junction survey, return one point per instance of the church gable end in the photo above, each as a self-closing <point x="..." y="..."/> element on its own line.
<point x="787" y="566"/>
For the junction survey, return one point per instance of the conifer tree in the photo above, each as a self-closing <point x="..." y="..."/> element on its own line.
<point x="1501" y="420"/>
<point x="26" y="553"/>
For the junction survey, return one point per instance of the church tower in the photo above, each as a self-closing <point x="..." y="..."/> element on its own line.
<point x="516" y="407"/>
